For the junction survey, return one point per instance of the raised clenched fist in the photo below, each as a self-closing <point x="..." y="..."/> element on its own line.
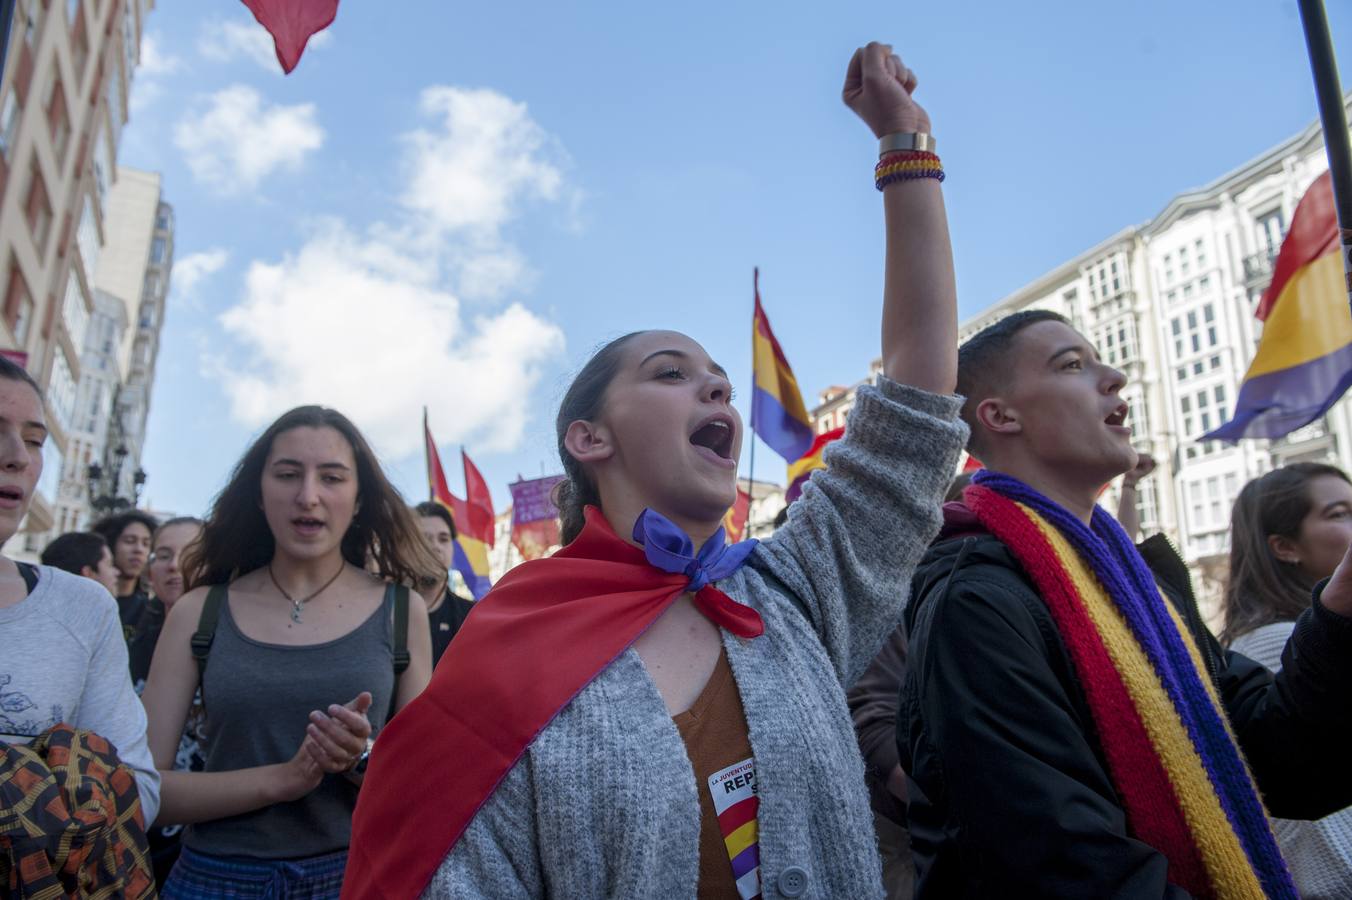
<point x="878" y="88"/>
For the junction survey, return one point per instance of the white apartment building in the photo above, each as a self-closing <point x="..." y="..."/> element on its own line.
<point x="63" y="103"/>
<point x="131" y="283"/>
<point x="1171" y="303"/>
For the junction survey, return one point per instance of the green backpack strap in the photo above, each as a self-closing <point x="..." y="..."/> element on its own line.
<point x="401" y="657"/>
<point x="206" y="629"/>
<point x="399" y="644"/>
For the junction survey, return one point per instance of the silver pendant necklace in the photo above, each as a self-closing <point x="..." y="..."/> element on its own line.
<point x="296" y="605"/>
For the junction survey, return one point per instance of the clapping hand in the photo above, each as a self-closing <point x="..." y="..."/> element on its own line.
<point x="335" y="741"/>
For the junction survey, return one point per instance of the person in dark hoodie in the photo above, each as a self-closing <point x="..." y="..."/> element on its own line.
<point x="1069" y="726"/>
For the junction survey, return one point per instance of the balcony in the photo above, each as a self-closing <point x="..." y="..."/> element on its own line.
<point x="1258" y="269"/>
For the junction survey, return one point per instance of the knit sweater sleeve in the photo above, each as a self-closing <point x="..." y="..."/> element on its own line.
<point x="498" y="855"/>
<point x="853" y="539"/>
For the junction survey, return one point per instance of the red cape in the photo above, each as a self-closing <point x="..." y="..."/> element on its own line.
<point x="538" y="638"/>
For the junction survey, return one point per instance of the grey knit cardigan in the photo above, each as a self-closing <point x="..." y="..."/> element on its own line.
<point x="604" y="803"/>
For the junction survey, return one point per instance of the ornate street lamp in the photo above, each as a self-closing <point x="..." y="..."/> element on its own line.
<point x="105" y="484"/>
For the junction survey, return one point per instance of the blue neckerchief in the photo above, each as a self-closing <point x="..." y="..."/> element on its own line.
<point x="670" y="549"/>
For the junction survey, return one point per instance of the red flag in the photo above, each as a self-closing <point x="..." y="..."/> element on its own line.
<point x="436" y="477"/>
<point x="736" y="518"/>
<point x="292" y="23"/>
<point x="972" y="464"/>
<point x="479" y="518"/>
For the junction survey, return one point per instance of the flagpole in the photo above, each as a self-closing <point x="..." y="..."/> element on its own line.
<point x="427" y="459"/>
<point x="1333" y="116"/>
<point x="751" y="473"/>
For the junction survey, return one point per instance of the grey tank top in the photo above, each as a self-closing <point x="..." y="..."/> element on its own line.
<point x="258" y="699"/>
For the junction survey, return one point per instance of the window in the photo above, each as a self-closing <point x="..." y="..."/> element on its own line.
<point x="1211" y="336"/>
<point x="157" y="251"/>
<point x="1203" y="401"/>
<point x="87" y="237"/>
<point x="147" y="316"/>
<point x="131" y="56"/>
<point x="1204" y="283"/>
<point x="1117" y="281"/>
<point x="32" y="14"/>
<point x="58" y="121"/>
<point x="79" y="55"/>
<point x="1199" y="249"/>
<point x="19" y="305"/>
<point x="1183" y="264"/>
<point x="39" y="211"/>
<point x="116" y="116"/>
<point x="1182" y="372"/>
<point x="9" y="123"/>
<point x="1197" y="368"/>
<point x="1186" y="404"/>
<point x="1271" y="228"/>
<point x="73" y="311"/>
<point x="1168" y="268"/>
<point x="61" y="389"/>
<point x="1219" y="394"/>
<point x="1187" y="290"/>
<point x="101" y="168"/>
<point x="1215" y="362"/>
<point x="1208" y="313"/>
<point x="1175" y="327"/>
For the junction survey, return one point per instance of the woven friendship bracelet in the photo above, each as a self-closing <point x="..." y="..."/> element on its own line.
<point x="906" y="166"/>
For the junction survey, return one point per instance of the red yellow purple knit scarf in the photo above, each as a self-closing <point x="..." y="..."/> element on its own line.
<point x="1171" y="755"/>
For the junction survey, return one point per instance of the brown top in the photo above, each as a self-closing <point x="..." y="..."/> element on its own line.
<point x="719" y="746"/>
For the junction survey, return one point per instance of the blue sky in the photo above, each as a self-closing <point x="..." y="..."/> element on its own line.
<point x="452" y="204"/>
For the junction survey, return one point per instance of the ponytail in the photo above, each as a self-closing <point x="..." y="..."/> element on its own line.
<point x="583" y="402"/>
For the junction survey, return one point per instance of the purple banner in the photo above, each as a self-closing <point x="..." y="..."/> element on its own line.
<point x="531" y="500"/>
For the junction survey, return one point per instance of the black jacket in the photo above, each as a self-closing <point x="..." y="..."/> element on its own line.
<point x="1010" y="788"/>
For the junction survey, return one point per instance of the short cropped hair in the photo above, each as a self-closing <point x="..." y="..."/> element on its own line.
<point x="111" y="527"/>
<point x="984" y="363"/>
<point x="428" y="508"/>
<point x="74" y="550"/>
<point x="12" y="371"/>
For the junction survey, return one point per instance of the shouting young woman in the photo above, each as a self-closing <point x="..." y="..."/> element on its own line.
<point x="622" y="727"/>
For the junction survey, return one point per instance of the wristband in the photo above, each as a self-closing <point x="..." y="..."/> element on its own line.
<point x="907" y="166"/>
<point x="916" y="141"/>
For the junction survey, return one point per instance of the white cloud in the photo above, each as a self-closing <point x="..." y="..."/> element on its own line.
<point x="155" y="62"/>
<point x="351" y="322"/>
<point x="486" y="156"/>
<point x="372" y="320"/>
<point x="193" y="268"/>
<point x="227" y="40"/>
<point x="239" y="139"/>
<point x="155" y="66"/>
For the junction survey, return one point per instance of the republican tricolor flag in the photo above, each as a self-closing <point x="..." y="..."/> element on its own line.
<point x="1304" y="360"/>
<point x="777" y="411"/>
<point x="473" y="516"/>
<point x="801" y="469"/>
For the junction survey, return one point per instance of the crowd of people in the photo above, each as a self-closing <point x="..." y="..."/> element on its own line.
<point x="918" y="686"/>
